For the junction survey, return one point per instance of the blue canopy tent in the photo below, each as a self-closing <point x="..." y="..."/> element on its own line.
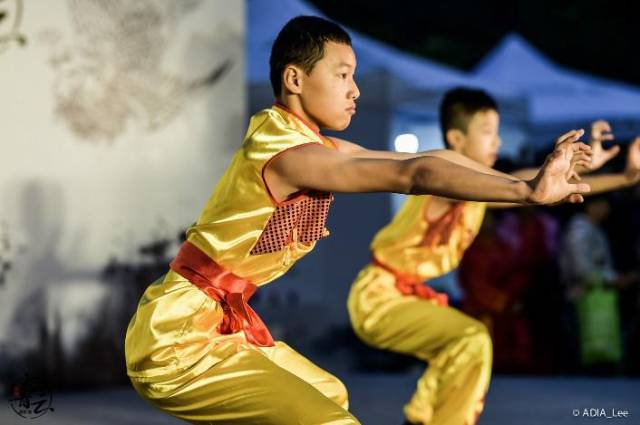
<point x="399" y="92"/>
<point x="558" y="98"/>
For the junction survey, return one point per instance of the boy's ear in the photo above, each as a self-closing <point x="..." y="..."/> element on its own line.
<point x="292" y="79"/>
<point x="455" y="139"/>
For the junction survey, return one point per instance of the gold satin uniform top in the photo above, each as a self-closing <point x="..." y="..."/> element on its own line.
<point x="242" y="228"/>
<point x="194" y="348"/>
<point x="387" y="314"/>
<point x="408" y="244"/>
<point x="390" y="309"/>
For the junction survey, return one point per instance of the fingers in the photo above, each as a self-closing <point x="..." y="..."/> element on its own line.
<point x="570" y="149"/>
<point x="606" y="137"/>
<point x="585" y="163"/>
<point x="581" y="147"/>
<point x="569" y="145"/>
<point x="572" y="135"/>
<point x="581" y="156"/>
<point x="579" y="188"/>
<point x="612" y="151"/>
<point x="583" y="159"/>
<point x="635" y="144"/>
<point x="601" y="125"/>
<point x="574" y="175"/>
<point x="575" y="199"/>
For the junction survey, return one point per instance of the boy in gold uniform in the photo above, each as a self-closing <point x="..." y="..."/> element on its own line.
<point x="195" y="348"/>
<point x="390" y="307"/>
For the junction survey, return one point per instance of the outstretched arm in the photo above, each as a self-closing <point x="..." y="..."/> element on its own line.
<point x="600" y="133"/>
<point x="615" y="181"/>
<point x="356" y="151"/>
<point x="580" y="159"/>
<point x="603" y="182"/>
<point x="318" y="168"/>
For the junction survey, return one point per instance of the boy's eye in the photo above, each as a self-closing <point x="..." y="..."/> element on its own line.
<point x="343" y="76"/>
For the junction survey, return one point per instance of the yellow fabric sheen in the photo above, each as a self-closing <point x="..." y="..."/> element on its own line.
<point x="175" y="356"/>
<point x="397" y="245"/>
<point x="457" y="347"/>
<point x="240" y="207"/>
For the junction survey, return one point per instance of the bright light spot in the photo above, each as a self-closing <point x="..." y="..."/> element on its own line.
<point x="407" y="142"/>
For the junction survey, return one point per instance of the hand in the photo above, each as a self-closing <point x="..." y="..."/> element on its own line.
<point x="632" y="169"/>
<point x="601" y="132"/>
<point x="552" y="185"/>
<point x="581" y="158"/>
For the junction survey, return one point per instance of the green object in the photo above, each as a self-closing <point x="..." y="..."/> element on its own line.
<point x="599" y="323"/>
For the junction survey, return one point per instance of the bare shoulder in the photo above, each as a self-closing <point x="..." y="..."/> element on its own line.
<point x="316" y="167"/>
<point x="346" y="147"/>
<point x="300" y="168"/>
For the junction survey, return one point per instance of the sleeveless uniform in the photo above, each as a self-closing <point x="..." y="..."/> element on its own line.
<point x="194" y="347"/>
<point x="391" y="308"/>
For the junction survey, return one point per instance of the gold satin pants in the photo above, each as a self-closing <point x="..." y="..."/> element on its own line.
<point x="178" y="362"/>
<point x="458" y="348"/>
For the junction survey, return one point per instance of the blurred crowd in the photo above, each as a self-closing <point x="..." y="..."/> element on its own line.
<point x="559" y="288"/>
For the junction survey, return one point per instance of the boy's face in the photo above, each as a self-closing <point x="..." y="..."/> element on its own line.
<point x="329" y="92"/>
<point x="481" y="142"/>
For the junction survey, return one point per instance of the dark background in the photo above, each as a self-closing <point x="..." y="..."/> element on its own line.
<point x="598" y="37"/>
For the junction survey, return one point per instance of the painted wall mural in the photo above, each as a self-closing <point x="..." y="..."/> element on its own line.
<point x="118" y="118"/>
<point x="10" y="21"/>
<point x="111" y="72"/>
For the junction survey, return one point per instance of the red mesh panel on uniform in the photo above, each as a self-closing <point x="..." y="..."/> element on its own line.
<point x="305" y="218"/>
<point x="439" y="231"/>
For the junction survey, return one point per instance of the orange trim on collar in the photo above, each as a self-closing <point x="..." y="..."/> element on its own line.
<point x="307" y="124"/>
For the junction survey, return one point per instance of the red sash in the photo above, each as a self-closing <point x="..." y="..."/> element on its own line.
<point x="413" y="285"/>
<point x="231" y="291"/>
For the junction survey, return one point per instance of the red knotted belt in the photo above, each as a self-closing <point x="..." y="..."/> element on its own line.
<point x="413" y="285"/>
<point x="231" y="291"/>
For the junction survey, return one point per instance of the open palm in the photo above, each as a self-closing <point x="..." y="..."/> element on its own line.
<point x="552" y="185"/>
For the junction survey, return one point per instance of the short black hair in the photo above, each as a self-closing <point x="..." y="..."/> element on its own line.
<point x="301" y="42"/>
<point x="458" y="107"/>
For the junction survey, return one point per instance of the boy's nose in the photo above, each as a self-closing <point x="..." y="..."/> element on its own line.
<point x="355" y="92"/>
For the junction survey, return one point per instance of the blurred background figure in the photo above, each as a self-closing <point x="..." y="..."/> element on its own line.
<point x="504" y="275"/>
<point x="592" y="288"/>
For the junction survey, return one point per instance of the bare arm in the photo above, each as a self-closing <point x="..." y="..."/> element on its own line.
<point x="524" y="174"/>
<point x="357" y="151"/>
<point x="316" y="167"/>
<point x="608" y="182"/>
<point x="598" y="183"/>
<point x="614" y="181"/>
